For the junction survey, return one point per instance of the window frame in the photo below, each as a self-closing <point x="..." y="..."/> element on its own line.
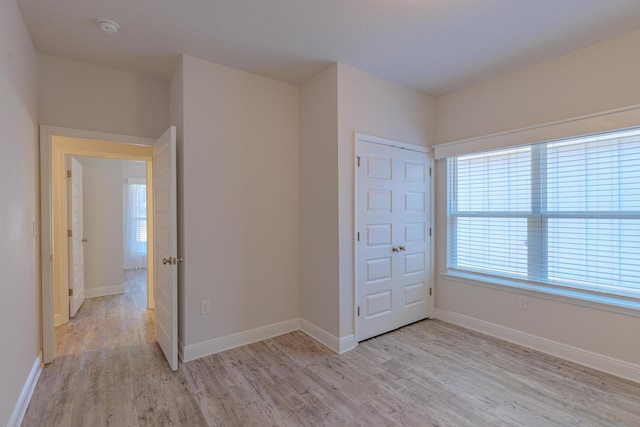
<point x="538" y="263"/>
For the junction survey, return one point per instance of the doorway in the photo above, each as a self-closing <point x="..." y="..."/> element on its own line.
<point x="108" y="230"/>
<point x="56" y="145"/>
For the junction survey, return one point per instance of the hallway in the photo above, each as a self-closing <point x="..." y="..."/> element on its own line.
<point x="108" y="368"/>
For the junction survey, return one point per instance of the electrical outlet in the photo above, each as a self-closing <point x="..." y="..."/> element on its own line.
<point x="205" y="306"/>
<point x="522" y="302"/>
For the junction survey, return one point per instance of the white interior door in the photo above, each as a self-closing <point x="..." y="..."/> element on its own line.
<point x="393" y="270"/>
<point x="165" y="245"/>
<point x="77" y="239"/>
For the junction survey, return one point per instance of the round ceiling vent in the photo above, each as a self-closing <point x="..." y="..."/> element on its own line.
<point x="108" y="26"/>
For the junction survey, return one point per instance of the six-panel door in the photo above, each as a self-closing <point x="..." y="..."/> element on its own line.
<point x="393" y="251"/>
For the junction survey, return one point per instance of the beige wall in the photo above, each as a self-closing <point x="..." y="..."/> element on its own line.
<point x="598" y="78"/>
<point x="370" y="105"/>
<point x="239" y="184"/>
<point x="133" y="169"/>
<point x="319" y="292"/>
<point x="102" y="201"/>
<point x="591" y="80"/>
<point x="333" y="105"/>
<point x="89" y="97"/>
<point x="19" y="285"/>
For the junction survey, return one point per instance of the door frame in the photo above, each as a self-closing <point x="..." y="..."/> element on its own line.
<point x="359" y="138"/>
<point x="55" y="144"/>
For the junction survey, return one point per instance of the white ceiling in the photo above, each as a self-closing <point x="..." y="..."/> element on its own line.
<point x="435" y="46"/>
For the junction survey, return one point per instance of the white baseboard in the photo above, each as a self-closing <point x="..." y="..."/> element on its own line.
<point x="347" y="343"/>
<point x="587" y="358"/>
<point x="320" y="335"/>
<point x="25" y="395"/>
<point x="57" y="319"/>
<point x="207" y="348"/>
<point x="103" y="291"/>
<point x="338" y="345"/>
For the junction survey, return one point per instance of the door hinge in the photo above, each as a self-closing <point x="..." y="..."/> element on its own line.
<point x="430" y="291"/>
<point x="69" y="233"/>
<point x="70" y="292"/>
<point x="358" y="236"/>
<point x="68" y="174"/>
<point x="358" y="157"/>
<point x="429" y="231"/>
<point x="358" y="310"/>
<point x="429" y="171"/>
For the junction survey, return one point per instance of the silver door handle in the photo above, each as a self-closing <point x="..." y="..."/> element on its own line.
<point x="166" y="261"/>
<point x="402" y="248"/>
<point x="395" y="249"/>
<point x="172" y="261"/>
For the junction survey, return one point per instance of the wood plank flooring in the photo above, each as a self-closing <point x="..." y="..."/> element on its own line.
<point x="110" y="372"/>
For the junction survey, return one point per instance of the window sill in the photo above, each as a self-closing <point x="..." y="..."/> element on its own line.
<point x="576" y="297"/>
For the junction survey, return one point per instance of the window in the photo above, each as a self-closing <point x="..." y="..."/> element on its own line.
<point x="139" y="211"/>
<point x="135" y="224"/>
<point x="558" y="214"/>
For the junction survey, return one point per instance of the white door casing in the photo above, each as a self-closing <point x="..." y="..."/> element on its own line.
<point x="76" y="246"/>
<point x="393" y="243"/>
<point x="165" y="251"/>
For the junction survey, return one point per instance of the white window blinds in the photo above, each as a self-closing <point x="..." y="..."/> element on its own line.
<point x="563" y="213"/>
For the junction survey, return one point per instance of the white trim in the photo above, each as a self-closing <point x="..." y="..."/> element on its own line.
<point x="217" y="345"/>
<point x="593" y="123"/>
<point x="58" y="319"/>
<point x="25" y="395"/>
<point x="104" y="291"/>
<point x="46" y="232"/>
<point x="347" y="343"/>
<point x="587" y="358"/>
<point x="89" y="134"/>
<point x="391" y="143"/>
<point x="327" y="339"/>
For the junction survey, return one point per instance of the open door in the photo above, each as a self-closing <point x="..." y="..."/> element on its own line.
<point x="77" y="239"/>
<point x="165" y="245"/>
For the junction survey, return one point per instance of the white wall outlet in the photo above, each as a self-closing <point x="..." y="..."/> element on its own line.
<point x="205" y="306"/>
<point x="522" y="302"/>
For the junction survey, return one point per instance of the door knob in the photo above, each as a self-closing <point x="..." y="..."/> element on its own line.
<point x="84" y="240"/>
<point x="394" y="249"/>
<point x="402" y="248"/>
<point x="166" y="261"/>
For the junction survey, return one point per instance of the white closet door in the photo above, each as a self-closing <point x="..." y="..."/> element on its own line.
<point x="393" y="251"/>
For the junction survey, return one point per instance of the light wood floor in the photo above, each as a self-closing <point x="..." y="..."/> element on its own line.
<point x="109" y="371"/>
